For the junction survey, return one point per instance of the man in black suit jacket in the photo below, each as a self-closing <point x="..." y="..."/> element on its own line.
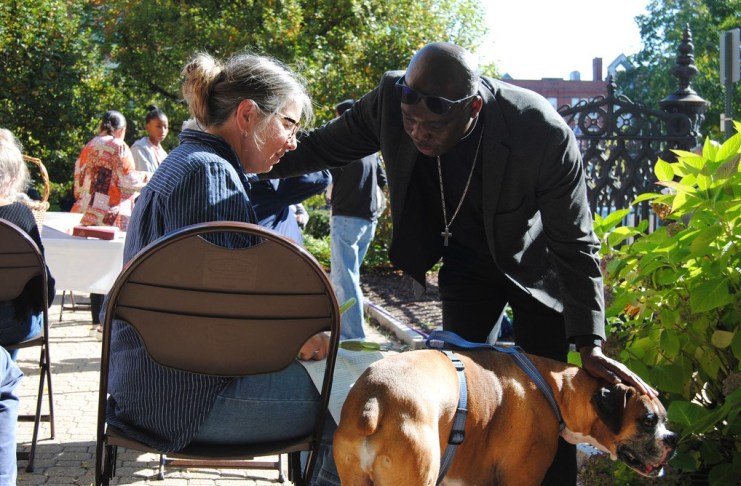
<point x="488" y="177"/>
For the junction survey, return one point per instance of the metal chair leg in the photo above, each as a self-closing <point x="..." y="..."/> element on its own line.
<point x="61" y="307"/>
<point x="281" y="476"/>
<point x="109" y="465"/>
<point x="44" y="377"/>
<point x="161" y="473"/>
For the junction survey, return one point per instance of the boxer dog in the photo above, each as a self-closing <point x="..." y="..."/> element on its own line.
<point x="397" y="419"/>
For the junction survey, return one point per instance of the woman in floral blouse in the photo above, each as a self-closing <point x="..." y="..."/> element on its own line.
<point x="106" y="184"/>
<point x="106" y="180"/>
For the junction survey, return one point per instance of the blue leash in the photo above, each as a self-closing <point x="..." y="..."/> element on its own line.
<point x="459" y="421"/>
<point x="438" y="340"/>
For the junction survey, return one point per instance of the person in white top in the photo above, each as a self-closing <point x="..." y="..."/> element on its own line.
<point x="148" y="152"/>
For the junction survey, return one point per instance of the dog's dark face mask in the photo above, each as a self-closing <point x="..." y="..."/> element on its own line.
<point x="642" y="440"/>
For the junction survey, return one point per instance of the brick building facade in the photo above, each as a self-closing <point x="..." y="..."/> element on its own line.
<point x="569" y="91"/>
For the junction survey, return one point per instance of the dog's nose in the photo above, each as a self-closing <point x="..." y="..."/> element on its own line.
<point x="671" y="440"/>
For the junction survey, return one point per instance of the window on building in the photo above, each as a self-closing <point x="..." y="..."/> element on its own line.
<point x="553" y="101"/>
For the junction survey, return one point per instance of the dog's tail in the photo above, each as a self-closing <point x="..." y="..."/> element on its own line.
<point x="370" y="417"/>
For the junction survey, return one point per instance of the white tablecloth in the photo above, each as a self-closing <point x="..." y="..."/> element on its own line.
<point x="77" y="263"/>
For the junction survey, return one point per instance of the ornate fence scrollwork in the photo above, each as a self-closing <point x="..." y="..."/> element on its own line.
<point x="621" y="140"/>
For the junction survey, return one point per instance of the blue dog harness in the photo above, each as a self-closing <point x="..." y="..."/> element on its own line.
<point x="445" y="339"/>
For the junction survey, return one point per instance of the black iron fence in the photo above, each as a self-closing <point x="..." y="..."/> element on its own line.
<point x="621" y="140"/>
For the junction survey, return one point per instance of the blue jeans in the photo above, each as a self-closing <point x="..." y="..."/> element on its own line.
<point x="349" y="239"/>
<point x="261" y="408"/>
<point x="269" y="407"/>
<point x="325" y="470"/>
<point x="14" y="330"/>
<point x="10" y="376"/>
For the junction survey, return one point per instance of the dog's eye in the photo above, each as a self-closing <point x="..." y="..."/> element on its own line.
<point x="649" y="421"/>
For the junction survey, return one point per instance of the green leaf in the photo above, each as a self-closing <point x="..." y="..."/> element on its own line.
<point x="711" y="452"/>
<point x="700" y="245"/>
<point x="682" y="154"/>
<point x="730" y="148"/>
<point x="721" y="339"/>
<point x="670" y="378"/>
<point x="733" y="399"/>
<point x="620" y="234"/>
<point x="709" y="362"/>
<point x="709" y="149"/>
<point x="646" y="196"/>
<point x="736" y="346"/>
<point x="685" y="413"/>
<point x="680" y="199"/>
<point x="346" y="306"/>
<point x="663" y="170"/>
<point x="666" y="276"/>
<point x="700" y="324"/>
<point x="677" y="186"/>
<point x="734" y="423"/>
<point x="688" y="165"/>
<point x="709" y="294"/>
<point x="614" y="218"/>
<point x="669" y="343"/>
<point x="703" y="421"/>
<point x="360" y="346"/>
<point x="685" y="461"/>
<point x="727" y="170"/>
<point x="704" y="181"/>
<point x="724" y="475"/>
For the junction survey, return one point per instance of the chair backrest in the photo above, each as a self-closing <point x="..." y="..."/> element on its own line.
<point x="20" y="261"/>
<point x="214" y="310"/>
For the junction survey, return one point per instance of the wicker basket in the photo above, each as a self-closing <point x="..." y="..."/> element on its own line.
<point x="39" y="208"/>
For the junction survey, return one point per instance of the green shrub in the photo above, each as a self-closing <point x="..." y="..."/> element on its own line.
<point x="318" y="225"/>
<point x="319" y="247"/>
<point x="673" y="303"/>
<point x="318" y="228"/>
<point x="378" y="251"/>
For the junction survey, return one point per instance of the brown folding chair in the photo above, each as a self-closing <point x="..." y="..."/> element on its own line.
<point x="236" y="312"/>
<point x="21" y="260"/>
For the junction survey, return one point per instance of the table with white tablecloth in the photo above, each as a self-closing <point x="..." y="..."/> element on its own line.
<point x="77" y="263"/>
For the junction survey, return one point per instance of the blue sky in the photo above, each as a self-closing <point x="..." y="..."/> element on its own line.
<point x="534" y="39"/>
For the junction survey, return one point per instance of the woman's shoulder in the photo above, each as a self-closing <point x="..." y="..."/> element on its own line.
<point x="19" y="214"/>
<point x="141" y="143"/>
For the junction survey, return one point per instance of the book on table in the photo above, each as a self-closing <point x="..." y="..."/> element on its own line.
<point x="101" y="232"/>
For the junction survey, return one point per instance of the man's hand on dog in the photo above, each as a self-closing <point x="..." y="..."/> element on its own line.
<point x="601" y="366"/>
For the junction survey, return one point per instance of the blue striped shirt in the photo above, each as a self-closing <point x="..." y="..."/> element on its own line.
<point x="201" y="180"/>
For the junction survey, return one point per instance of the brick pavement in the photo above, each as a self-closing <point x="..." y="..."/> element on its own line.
<point x="68" y="459"/>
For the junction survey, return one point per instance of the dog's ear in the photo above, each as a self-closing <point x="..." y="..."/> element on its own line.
<point x="610" y="401"/>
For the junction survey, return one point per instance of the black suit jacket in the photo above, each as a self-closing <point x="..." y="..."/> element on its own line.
<point x="537" y="219"/>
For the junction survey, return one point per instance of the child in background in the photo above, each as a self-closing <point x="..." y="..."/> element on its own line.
<point x="148" y="152"/>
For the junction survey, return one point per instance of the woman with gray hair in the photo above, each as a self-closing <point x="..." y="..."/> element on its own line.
<point x="248" y="111"/>
<point x="22" y="317"/>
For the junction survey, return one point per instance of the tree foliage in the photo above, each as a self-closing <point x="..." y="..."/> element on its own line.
<point x="661" y="29"/>
<point x="341" y="46"/>
<point x="65" y="63"/>
<point x="52" y="79"/>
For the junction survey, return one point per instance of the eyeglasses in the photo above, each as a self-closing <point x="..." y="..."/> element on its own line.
<point x="436" y="104"/>
<point x="295" y="126"/>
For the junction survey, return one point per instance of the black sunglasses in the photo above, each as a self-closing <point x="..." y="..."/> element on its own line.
<point x="436" y="104"/>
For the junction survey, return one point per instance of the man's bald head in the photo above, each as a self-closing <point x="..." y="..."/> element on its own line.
<point x="443" y="69"/>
